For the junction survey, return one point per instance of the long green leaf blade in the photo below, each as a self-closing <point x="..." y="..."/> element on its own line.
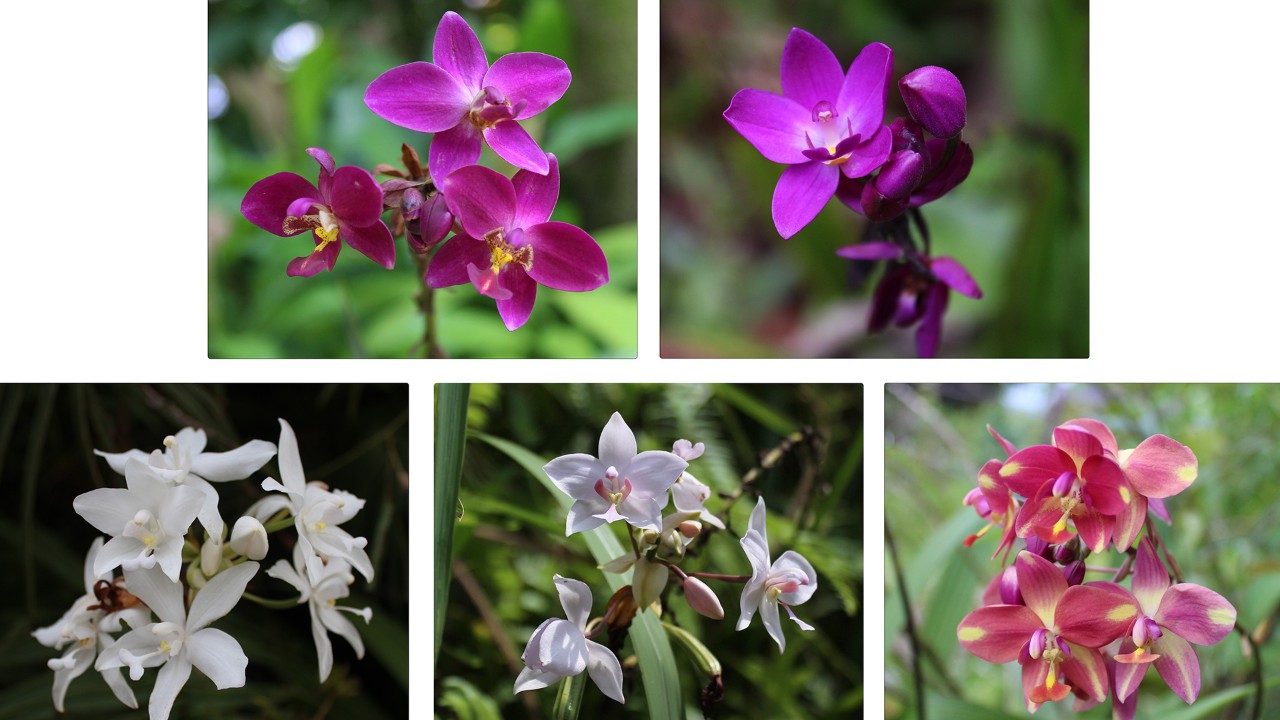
<point x="451" y="436"/>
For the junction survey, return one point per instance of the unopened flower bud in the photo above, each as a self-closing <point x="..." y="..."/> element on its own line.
<point x="702" y="599"/>
<point x="1063" y="484"/>
<point x="249" y="538"/>
<point x="935" y="98"/>
<point x="1036" y="546"/>
<point x="1009" y="592"/>
<point x="907" y="135"/>
<point x="1037" y="643"/>
<point x="878" y="207"/>
<point x="690" y="528"/>
<point x="1074" y="572"/>
<point x="647" y="582"/>
<point x="901" y="174"/>
<point x="434" y="221"/>
<point x="1066" y="553"/>
<point x="211" y="556"/>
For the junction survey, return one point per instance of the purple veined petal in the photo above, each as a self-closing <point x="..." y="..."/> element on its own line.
<point x="514" y="144"/>
<point x="267" y="202"/>
<point x="929" y="334"/>
<point x="319" y="260"/>
<point x="533" y="78"/>
<point x="565" y="257"/>
<point x="457" y="51"/>
<point x="457" y="147"/>
<point x="515" y="311"/>
<point x="801" y="193"/>
<point x="487" y="281"/>
<point x="373" y="241"/>
<point x="810" y="71"/>
<point x="356" y="197"/>
<point x="536" y="195"/>
<point x="419" y="96"/>
<point x="323" y="157"/>
<point x="869" y="154"/>
<point x="875" y="250"/>
<point x="1196" y="614"/>
<point x="483" y="200"/>
<point x="449" y="265"/>
<point x="1178" y="666"/>
<point x="773" y="124"/>
<point x="955" y="276"/>
<point x="866" y="88"/>
<point x="575" y="598"/>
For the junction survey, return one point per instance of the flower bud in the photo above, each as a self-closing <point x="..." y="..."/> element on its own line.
<point x="702" y="599"/>
<point x="907" y="135"/>
<point x="435" y="221"/>
<point x="1067" y="553"/>
<point x="1036" y="546"/>
<point x="647" y="582"/>
<point x="935" y="98"/>
<point x="1009" y="592"/>
<point x="1074" y="572"/>
<point x="900" y="174"/>
<point x="1037" y="643"/>
<point x="878" y="207"/>
<point x="1064" y="483"/>
<point x="690" y="528"/>
<point x="211" y="555"/>
<point x="249" y="538"/>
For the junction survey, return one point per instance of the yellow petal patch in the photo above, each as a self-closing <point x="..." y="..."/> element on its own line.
<point x="1187" y="473"/>
<point x="970" y="633"/>
<point x="1009" y="469"/>
<point x="1124" y="494"/>
<point x="1122" y="612"/>
<point x="1222" y="616"/>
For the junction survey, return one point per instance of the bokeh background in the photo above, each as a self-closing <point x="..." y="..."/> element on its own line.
<point x="731" y="287"/>
<point x="350" y="436"/>
<point x="510" y="540"/>
<point x="1224" y="533"/>
<point x="291" y="75"/>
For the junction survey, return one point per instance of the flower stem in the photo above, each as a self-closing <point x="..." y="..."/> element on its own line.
<point x="718" y="576"/>
<point x="426" y="303"/>
<point x="916" y="671"/>
<point x="278" y="524"/>
<point x="269" y="603"/>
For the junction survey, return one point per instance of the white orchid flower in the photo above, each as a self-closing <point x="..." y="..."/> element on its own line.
<point x="689" y="493"/>
<point x="85" y="629"/>
<point x="619" y="485"/>
<point x="147" y="520"/>
<point x="184" y="462"/>
<point x="317" y="512"/>
<point x="323" y="597"/>
<point x="560" y="648"/>
<point x="789" y="581"/>
<point x="181" y="639"/>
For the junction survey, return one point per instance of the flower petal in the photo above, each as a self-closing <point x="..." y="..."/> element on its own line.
<point x="1196" y="613"/>
<point x="514" y="144"/>
<point x="1128" y="675"/>
<point x="324" y="648"/>
<point x="1161" y="467"/>
<point x="773" y="124"/>
<point x="1129" y="523"/>
<point x="1086" y="672"/>
<point x="449" y="265"/>
<point x="533" y="78"/>
<point x="604" y="669"/>
<point x="642" y="512"/>
<point x="419" y="96"/>
<point x="1105" y="485"/>
<point x="653" y="472"/>
<point x="869" y="154"/>
<point x="875" y="250"/>
<point x="1092" y="616"/>
<point x="1027" y="470"/>
<point x="1178" y="665"/>
<point x="575" y="474"/>
<point x="801" y="193"/>
<point x="236" y="464"/>
<point x="1035" y="684"/>
<point x="565" y="257"/>
<point x="1095" y="528"/>
<point x="290" y="461"/>
<point x="757" y="524"/>
<point x="996" y="633"/>
<point x="866" y="88"/>
<point x="929" y="334"/>
<point x="952" y="175"/>
<point x="169" y="681"/>
<point x="162" y="595"/>
<point x="773" y="623"/>
<point x="810" y="71"/>
<point x="1077" y="443"/>
<point x="536" y="194"/>
<point x="1098" y="429"/>
<point x="530" y="679"/>
<point x="575" y="598"/>
<point x="1041" y="584"/>
<point x="584" y="515"/>
<point x="320" y="260"/>
<point x="458" y="52"/>
<point x="955" y="276"/>
<point x="516" y="309"/>
<point x="457" y="147"/>
<point x="267" y="202"/>
<point x="107" y="509"/>
<point x="796" y="563"/>
<point x="219" y="656"/>
<point x="481" y="199"/>
<point x="1150" y="579"/>
<point x="219" y="595"/>
<point x="617" y="443"/>
<point x="356" y="197"/>
<point x="373" y="241"/>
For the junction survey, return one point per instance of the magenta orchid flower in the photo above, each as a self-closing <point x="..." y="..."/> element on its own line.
<point x="824" y="124"/>
<point x="1172" y="616"/>
<point x="993" y="502"/>
<point x="1055" y="635"/>
<point x="507" y="247"/>
<point x="463" y="99"/>
<point x="789" y="580"/>
<point x="907" y="189"/>
<point x="346" y="208"/>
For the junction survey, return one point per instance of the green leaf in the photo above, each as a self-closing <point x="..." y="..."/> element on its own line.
<point x="569" y="697"/>
<point x="653" y="649"/>
<point x="451" y="435"/>
<point x="466" y="701"/>
<point x="751" y="407"/>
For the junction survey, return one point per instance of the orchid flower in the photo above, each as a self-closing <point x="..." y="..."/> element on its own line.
<point x="620" y="484"/>
<point x="147" y="520"/>
<point x="560" y="648"/>
<point x="181" y="639"/>
<point x="322" y="599"/>
<point x="689" y="493"/>
<point x="184" y="462"/>
<point x="1056" y="633"/>
<point x="1158" y="468"/>
<point x="1171" y="616"/>
<point x="85" y="627"/>
<point x="790" y="580"/>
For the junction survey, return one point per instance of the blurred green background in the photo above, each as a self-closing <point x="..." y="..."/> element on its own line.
<point x="1224" y="533"/>
<point x="733" y="288"/>
<point x="510" y="540"/>
<point x="353" y="437"/>
<point x="291" y="75"/>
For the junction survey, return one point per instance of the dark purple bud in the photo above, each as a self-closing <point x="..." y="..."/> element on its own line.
<point x="900" y="175"/>
<point x="877" y="207"/>
<point x="1009" y="592"/>
<point x="1036" y="546"/>
<point x="1037" y="644"/>
<point x="411" y="202"/>
<point x="434" y="223"/>
<point x="907" y="135"/>
<point x="1063" y="484"/>
<point x="1065" y="554"/>
<point x="1074" y="572"/>
<point x="935" y="98"/>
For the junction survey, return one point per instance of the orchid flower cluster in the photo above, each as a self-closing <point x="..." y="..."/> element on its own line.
<point x="503" y="242"/>
<point x="177" y="564"/>
<point x="621" y="483"/>
<point x="827" y="127"/>
<point x="1068" y="500"/>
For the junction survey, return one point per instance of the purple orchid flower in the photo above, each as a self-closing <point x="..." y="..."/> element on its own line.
<point x="507" y="247"/>
<point x="823" y="124"/>
<point x="347" y="207"/>
<point x="462" y="98"/>
<point x="869" y="197"/>
<point x="913" y="291"/>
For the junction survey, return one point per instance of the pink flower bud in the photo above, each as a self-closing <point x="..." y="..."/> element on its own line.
<point x="1063" y="484"/>
<point x="1037" y="643"/>
<point x="702" y="599"/>
<point x="1009" y="592"/>
<point x="1074" y="573"/>
<point x="935" y="98"/>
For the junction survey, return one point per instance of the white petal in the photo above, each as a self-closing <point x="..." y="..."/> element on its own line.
<point x="235" y="464"/>
<point x="617" y="443"/>
<point x="177" y="508"/>
<point x="295" y="480"/>
<point x="653" y="472"/>
<point x="162" y="595"/>
<point x="90" y="577"/>
<point x="575" y="598"/>
<point x="757" y="524"/>
<point x="190" y="441"/>
<point x="107" y="509"/>
<point x="115" y="552"/>
<point x="208" y="514"/>
<point x="689" y="493"/>
<point x="530" y="679"/>
<point x="62" y="678"/>
<point x="140" y="641"/>
<point x="168" y="554"/>
<point x="772" y="623"/>
<point x="115" y="680"/>
<point x="142" y="480"/>
<point x="575" y="474"/>
<point x="169" y="681"/>
<point x="794" y="561"/>
<point x="642" y="512"/>
<point x="561" y="648"/>
<point x="687" y="450"/>
<point x="582" y="516"/>
<point x="803" y="625"/>
<point x="117" y="460"/>
<point x="748" y="603"/>
<point x="219" y="656"/>
<point x="604" y="670"/>
<point x="324" y="649"/>
<point x="336" y="623"/>
<point x="268" y="506"/>
<point x="219" y="595"/>
<point x="282" y="570"/>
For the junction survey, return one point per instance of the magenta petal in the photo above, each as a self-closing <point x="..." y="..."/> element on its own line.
<point x="317" y="261"/>
<point x="929" y="334"/>
<point x="869" y="154"/>
<point x="950" y="176"/>
<point x="1093" y="616"/>
<point x="1105" y="485"/>
<point x="533" y="78"/>
<point x="1086" y="672"/>
<point x="1041" y="585"/>
<point x="997" y="632"/>
<point x="419" y="96"/>
<point x="267" y="202"/>
<point x="515" y="310"/>
<point x="483" y="200"/>
<point x="1031" y="467"/>
<point x="300" y="207"/>
<point x="1128" y="674"/>
<point x="513" y="144"/>
<point x="373" y="241"/>
<point x="866" y="88"/>
<point x="1098" y="429"/>
<point x="1129" y="523"/>
<point x="810" y="71"/>
<point x="458" y="52"/>
<point x="849" y="192"/>
<point x="356" y="197"/>
<point x="1161" y="467"/>
<point x="773" y="124"/>
<point x="1095" y="528"/>
<point x="955" y="276"/>
<point x="1150" y="579"/>
<point x="536" y="194"/>
<point x="452" y="149"/>
<point x="487" y="282"/>
<point x="449" y="265"/>
<point x="801" y="193"/>
<point x="1196" y="613"/>
<point x="1076" y="442"/>
<point x="875" y="250"/>
<point x="565" y="257"/>
<point x="1178" y="665"/>
<point x="323" y="157"/>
